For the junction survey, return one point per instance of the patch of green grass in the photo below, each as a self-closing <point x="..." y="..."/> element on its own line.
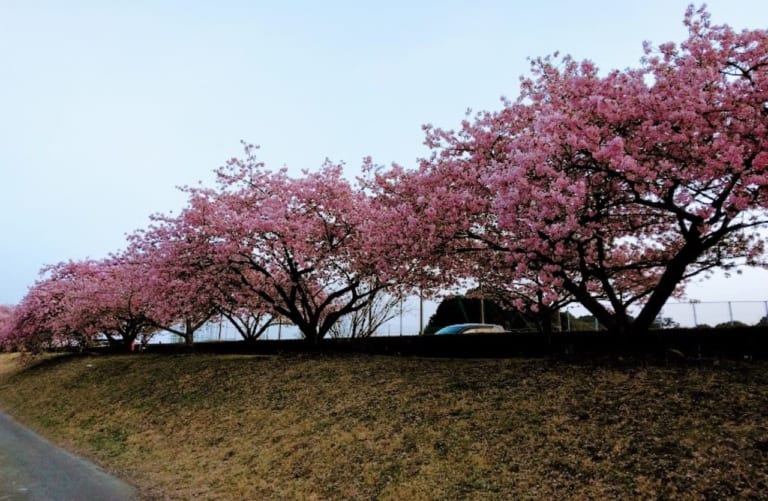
<point x="108" y="442"/>
<point x="359" y="427"/>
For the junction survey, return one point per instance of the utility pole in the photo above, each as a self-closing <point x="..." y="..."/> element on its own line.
<point x="421" y="313"/>
<point x="695" y="319"/>
<point x="482" y="303"/>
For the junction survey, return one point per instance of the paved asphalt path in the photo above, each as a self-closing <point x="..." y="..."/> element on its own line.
<point x="31" y="468"/>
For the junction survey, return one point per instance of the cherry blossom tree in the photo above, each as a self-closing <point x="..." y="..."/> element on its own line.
<point x="180" y="298"/>
<point x="294" y="244"/>
<point x="189" y="283"/>
<point x="28" y="327"/>
<point x="614" y="189"/>
<point x="59" y="309"/>
<point x="97" y="298"/>
<point x="51" y="314"/>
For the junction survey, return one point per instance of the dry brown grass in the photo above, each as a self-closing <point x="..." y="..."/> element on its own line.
<point x="346" y="427"/>
<point x="9" y="363"/>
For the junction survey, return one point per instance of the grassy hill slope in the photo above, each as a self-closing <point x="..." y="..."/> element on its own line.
<point x="356" y="427"/>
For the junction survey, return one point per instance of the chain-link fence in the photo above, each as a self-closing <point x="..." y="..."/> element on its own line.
<point x="406" y="321"/>
<point x="713" y="314"/>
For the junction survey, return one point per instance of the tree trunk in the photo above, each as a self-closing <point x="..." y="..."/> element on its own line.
<point x="592" y="305"/>
<point x="129" y="344"/>
<point x="310" y="332"/>
<point x="313" y="340"/>
<point x="669" y="280"/>
<point x="545" y="315"/>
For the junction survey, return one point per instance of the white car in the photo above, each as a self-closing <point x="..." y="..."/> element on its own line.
<point x="470" y="329"/>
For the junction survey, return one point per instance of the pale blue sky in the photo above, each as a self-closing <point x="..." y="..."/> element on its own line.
<point x="106" y="106"/>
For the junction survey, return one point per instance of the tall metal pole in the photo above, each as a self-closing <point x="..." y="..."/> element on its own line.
<point x="370" y="329"/>
<point x="370" y="309"/>
<point x="482" y="304"/>
<point x="421" y="313"/>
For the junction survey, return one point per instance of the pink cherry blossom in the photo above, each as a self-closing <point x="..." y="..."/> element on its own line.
<point x="613" y="189"/>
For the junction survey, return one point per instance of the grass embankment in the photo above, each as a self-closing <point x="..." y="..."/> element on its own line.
<point x="248" y="427"/>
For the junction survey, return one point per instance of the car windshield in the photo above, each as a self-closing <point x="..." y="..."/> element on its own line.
<point x="451" y="329"/>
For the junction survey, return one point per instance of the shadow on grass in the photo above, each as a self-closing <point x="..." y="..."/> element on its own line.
<point x="31" y="364"/>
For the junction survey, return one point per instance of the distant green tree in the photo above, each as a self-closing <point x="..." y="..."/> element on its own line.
<point x="664" y="323"/>
<point x="461" y="310"/>
<point x="571" y="322"/>
<point x="730" y="325"/>
<point x="585" y="323"/>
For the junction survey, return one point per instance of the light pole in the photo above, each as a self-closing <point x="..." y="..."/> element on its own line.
<point x="421" y="313"/>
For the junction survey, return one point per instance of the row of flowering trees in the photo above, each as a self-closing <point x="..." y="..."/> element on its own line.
<point x="610" y="190"/>
<point x="259" y="246"/>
